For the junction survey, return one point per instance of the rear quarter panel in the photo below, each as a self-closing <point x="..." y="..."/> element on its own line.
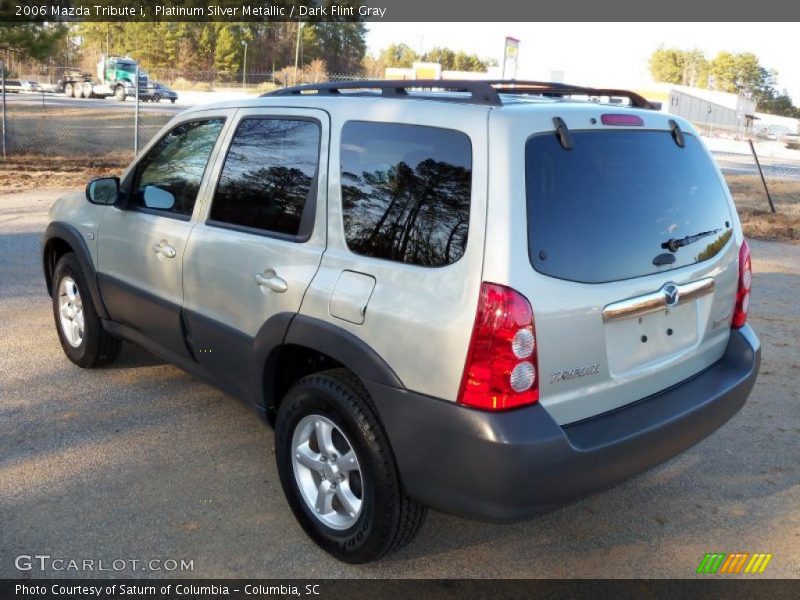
<point x="418" y="319"/>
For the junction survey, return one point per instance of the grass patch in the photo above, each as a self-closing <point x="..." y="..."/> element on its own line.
<point x="181" y="84"/>
<point x="33" y="171"/>
<point x="758" y="221"/>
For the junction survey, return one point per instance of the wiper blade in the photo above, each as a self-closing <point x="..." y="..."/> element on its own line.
<point x="673" y="244"/>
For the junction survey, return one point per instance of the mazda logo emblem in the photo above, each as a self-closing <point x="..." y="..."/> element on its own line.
<point x="671" y="295"/>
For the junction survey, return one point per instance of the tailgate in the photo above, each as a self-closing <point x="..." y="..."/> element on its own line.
<point x="631" y="265"/>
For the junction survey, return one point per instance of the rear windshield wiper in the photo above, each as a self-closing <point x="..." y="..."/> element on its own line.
<point x="673" y="244"/>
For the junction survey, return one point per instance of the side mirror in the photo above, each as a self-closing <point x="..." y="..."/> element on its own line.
<point x="155" y="197"/>
<point x="103" y="191"/>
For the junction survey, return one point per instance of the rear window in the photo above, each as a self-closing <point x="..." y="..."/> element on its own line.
<point x="602" y="210"/>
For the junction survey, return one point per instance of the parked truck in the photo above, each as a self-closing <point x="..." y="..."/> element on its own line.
<point x="115" y="77"/>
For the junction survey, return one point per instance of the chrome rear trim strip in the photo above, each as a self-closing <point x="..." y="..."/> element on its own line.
<point x="656" y="301"/>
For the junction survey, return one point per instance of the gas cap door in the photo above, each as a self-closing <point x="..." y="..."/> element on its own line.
<point x="350" y="296"/>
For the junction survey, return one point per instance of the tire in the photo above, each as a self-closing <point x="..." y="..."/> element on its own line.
<point x="386" y="518"/>
<point x="68" y="90"/>
<point x="172" y="100"/>
<point x="119" y="93"/>
<point x="87" y="90"/>
<point x="90" y="346"/>
<point x="157" y="98"/>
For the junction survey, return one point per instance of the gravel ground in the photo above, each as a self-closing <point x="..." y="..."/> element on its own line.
<point x="142" y="461"/>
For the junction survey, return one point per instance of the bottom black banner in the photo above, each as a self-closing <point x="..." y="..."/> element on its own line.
<point x="439" y="589"/>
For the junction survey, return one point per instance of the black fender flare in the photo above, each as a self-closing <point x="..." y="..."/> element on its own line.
<point x="342" y="346"/>
<point x="58" y="230"/>
<point x="287" y="330"/>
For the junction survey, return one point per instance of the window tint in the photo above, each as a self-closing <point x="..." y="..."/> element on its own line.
<point x="268" y="177"/>
<point x="406" y="191"/>
<point x="168" y="177"/>
<point x="604" y="210"/>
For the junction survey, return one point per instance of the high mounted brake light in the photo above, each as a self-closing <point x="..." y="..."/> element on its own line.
<point x="624" y="120"/>
<point x="500" y="371"/>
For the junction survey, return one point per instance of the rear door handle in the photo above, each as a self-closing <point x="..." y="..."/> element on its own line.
<point x="270" y="280"/>
<point x="164" y="249"/>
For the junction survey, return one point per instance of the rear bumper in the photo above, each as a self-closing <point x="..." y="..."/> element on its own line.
<point x="518" y="463"/>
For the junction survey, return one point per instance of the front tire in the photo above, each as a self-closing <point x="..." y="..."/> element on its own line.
<point x="119" y="93"/>
<point x="80" y="332"/>
<point x="338" y="471"/>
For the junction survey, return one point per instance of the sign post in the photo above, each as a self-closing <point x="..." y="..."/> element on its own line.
<point x="510" y="55"/>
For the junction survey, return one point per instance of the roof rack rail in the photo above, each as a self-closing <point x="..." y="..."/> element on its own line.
<point x="552" y="89"/>
<point x="481" y="91"/>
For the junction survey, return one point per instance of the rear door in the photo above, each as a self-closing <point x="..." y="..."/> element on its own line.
<point x="259" y="240"/>
<point x="628" y="256"/>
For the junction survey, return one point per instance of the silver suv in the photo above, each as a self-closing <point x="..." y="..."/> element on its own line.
<point x="489" y="298"/>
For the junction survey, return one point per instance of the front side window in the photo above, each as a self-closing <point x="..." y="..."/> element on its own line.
<point x="168" y="178"/>
<point x="269" y="178"/>
<point x="406" y="191"/>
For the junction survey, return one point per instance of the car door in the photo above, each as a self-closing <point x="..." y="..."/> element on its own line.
<point x="258" y="242"/>
<point x="141" y="242"/>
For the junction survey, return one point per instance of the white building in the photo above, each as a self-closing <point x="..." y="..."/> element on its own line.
<point x="712" y="108"/>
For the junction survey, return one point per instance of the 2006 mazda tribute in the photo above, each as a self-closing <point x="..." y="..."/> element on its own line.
<point x="489" y="298"/>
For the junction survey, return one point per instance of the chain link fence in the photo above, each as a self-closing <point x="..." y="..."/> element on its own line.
<point x="50" y="125"/>
<point x="44" y="121"/>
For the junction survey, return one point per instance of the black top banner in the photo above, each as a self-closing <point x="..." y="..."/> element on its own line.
<point x="398" y="11"/>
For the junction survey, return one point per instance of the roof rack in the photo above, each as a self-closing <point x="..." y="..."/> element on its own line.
<point x="481" y="91"/>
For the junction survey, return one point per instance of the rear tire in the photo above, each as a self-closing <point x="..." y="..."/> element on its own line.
<point x="365" y="512"/>
<point x="68" y="90"/>
<point x="87" y="90"/>
<point x="80" y="332"/>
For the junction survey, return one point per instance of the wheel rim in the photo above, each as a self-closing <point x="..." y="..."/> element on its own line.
<point x="327" y="472"/>
<point x="70" y="311"/>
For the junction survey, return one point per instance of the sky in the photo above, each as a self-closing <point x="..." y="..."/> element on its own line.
<point x="602" y="54"/>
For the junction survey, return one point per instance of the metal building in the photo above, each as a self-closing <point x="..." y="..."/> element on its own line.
<point x="712" y="108"/>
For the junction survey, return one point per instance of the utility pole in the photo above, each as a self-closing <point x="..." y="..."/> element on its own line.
<point x="297" y="50"/>
<point x="244" y="65"/>
<point x="136" y="114"/>
<point x="3" y="76"/>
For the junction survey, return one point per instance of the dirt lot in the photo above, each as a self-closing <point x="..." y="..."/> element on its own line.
<point x="140" y="460"/>
<point x="758" y="221"/>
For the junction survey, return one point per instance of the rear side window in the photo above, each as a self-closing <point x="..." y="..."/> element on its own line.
<point x="406" y="192"/>
<point x="268" y="181"/>
<point x="168" y="178"/>
<point x="605" y="210"/>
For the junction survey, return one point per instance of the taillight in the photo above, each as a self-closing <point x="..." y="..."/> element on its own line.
<point x="743" y="291"/>
<point x="500" y="371"/>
